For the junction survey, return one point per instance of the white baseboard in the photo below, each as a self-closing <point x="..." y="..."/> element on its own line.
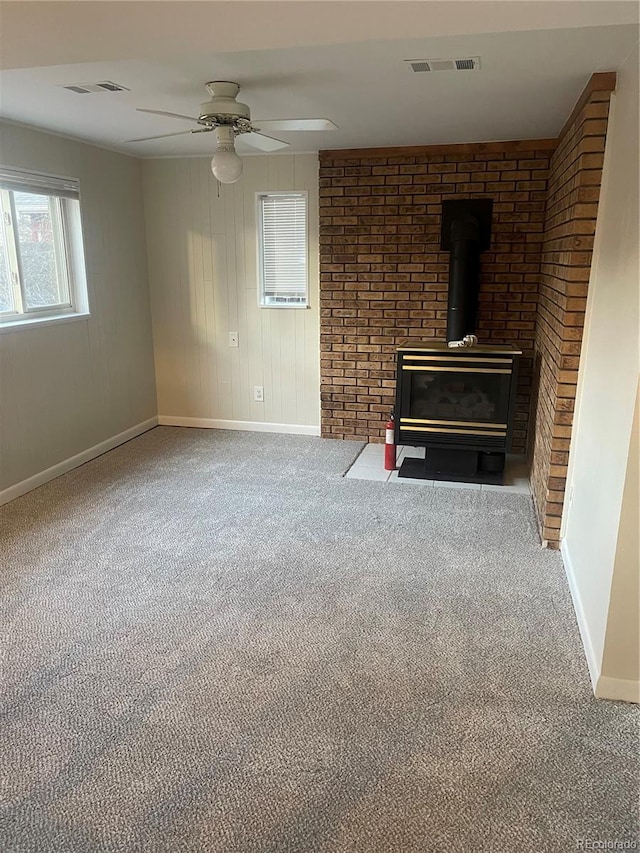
<point x="622" y="689"/>
<point x="604" y="687"/>
<point x="592" y="662"/>
<point x="66" y="465"/>
<point x="250" y="426"/>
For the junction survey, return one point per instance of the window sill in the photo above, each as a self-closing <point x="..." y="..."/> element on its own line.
<point x="38" y="322"/>
<point x="283" y="305"/>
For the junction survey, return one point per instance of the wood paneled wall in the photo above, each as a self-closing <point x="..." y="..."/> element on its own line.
<point x="65" y="388"/>
<point x="202" y="246"/>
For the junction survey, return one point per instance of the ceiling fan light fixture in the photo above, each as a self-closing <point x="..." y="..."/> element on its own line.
<point x="225" y="163"/>
<point x="227" y="117"/>
<point x="226" y="166"/>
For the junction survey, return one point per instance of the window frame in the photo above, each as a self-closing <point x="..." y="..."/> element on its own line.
<point x="68" y="247"/>
<point x="304" y="194"/>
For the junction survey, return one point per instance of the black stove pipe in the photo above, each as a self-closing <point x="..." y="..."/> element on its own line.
<point x="464" y="277"/>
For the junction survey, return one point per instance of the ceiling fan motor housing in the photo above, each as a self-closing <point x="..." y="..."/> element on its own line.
<point x="223" y="107"/>
<point x="225" y="114"/>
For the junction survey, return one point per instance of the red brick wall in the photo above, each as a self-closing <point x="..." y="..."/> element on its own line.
<point x="383" y="277"/>
<point x="572" y="206"/>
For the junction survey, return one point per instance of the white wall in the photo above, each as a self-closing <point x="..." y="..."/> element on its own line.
<point x="68" y="387"/>
<point x="608" y="377"/>
<point x="203" y="284"/>
<point x="621" y="657"/>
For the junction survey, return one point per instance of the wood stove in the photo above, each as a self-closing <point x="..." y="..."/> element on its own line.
<point x="458" y="404"/>
<point x="456" y="399"/>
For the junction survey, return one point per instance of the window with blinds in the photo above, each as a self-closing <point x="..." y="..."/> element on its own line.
<point x="40" y="245"/>
<point x="282" y="250"/>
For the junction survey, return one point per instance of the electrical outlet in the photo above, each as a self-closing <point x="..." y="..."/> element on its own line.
<point x="258" y="393"/>
<point x="233" y="339"/>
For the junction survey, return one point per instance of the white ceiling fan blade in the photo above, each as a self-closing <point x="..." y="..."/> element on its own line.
<point x="163" y="113"/>
<point x="262" y="142"/>
<point x="284" y="124"/>
<point x="161" y="136"/>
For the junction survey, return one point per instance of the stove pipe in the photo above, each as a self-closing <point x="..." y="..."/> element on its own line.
<point x="464" y="277"/>
<point x="465" y="233"/>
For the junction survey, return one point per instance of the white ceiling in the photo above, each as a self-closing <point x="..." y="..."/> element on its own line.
<point x="526" y="88"/>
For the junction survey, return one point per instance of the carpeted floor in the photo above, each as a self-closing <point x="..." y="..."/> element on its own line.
<point x="212" y="641"/>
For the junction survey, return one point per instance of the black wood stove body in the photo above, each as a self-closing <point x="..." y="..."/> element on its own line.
<point x="458" y="404"/>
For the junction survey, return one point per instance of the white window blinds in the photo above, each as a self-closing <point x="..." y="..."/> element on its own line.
<point x="282" y="248"/>
<point x="34" y="182"/>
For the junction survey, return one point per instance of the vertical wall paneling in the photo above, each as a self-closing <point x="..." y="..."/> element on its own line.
<point x="68" y="387"/>
<point x="202" y="245"/>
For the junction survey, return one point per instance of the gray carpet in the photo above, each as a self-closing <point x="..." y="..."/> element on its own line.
<point x="213" y="641"/>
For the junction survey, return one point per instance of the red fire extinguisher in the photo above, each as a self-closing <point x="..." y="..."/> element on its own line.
<point x="390" y="446"/>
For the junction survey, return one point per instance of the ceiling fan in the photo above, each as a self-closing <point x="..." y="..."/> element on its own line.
<point x="228" y="118"/>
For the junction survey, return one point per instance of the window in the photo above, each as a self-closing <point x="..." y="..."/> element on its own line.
<point x="282" y="250"/>
<point x="41" y="257"/>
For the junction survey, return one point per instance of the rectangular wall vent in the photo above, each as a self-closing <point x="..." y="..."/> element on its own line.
<point x="93" y="88"/>
<point x="471" y="63"/>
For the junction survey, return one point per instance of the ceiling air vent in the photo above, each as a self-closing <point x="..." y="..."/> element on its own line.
<point x="471" y="63"/>
<point x="466" y="64"/>
<point x="92" y="88"/>
<point x="420" y="66"/>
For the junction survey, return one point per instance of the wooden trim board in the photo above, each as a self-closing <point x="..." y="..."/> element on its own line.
<point x="515" y="145"/>
<point x="249" y="426"/>
<point x="602" y="81"/>
<point x="19" y="489"/>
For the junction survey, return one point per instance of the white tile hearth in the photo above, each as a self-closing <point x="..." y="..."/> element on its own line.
<point x="370" y="466"/>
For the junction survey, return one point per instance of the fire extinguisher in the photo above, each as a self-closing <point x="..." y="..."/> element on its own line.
<point x="390" y="445"/>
